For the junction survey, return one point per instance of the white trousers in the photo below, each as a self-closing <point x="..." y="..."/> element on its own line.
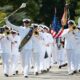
<point x="36" y="62"/>
<point x="26" y="57"/>
<point x="78" y="56"/>
<point x="62" y="57"/>
<point x="78" y="61"/>
<point x="42" y="54"/>
<point x="71" y="57"/>
<point x="14" y="61"/>
<point x="49" y="57"/>
<point x="32" y="60"/>
<point x="55" y="53"/>
<point x="5" y="59"/>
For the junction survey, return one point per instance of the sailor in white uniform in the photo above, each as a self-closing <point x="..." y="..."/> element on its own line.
<point x="36" y="49"/>
<point x="70" y="46"/>
<point x="49" y="41"/>
<point x="15" y="51"/>
<point x="62" y="61"/>
<point x="77" y="37"/>
<point x="27" y="49"/>
<point x="42" y="50"/>
<point x="46" y="46"/>
<point x="6" y="40"/>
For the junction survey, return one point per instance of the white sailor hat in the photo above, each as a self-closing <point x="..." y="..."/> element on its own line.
<point x="34" y="24"/>
<point x="41" y="28"/>
<point x="41" y="25"/>
<point x="45" y="27"/>
<point x="26" y="20"/>
<point x="72" y="21"/>
<point x="7" y="27"/>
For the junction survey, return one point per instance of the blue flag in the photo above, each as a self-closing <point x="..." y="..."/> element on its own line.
<point x="56" y="24"/>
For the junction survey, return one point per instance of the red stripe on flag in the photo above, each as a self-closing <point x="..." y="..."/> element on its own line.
<point x="53" y="33"/>
<point x="59" y="33"/>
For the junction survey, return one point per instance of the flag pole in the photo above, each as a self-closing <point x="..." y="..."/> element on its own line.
<point x="55" y="11"/>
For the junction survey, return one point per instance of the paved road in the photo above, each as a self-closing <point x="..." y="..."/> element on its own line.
<point x="54" y="74"/>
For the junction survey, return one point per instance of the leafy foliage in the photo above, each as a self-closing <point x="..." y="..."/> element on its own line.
<point x="38" y="10"/>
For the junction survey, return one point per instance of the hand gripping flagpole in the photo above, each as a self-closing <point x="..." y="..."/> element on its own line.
<point x="23" y="5"/>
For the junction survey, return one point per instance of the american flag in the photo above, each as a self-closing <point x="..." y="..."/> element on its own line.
<point x="56" y="28"/>
<point x="56" y="31"/>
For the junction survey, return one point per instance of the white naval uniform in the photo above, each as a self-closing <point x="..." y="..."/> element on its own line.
<point x="77" y="49"/>
<point x="36" y="52"/>
<point x="42" y="51"/>
<point x="61" y="56"/>
<point x="55" y="52"/>
<point x="6" y="49"/>
<point x="47" y="49"/>
<point x="61" y="53"/>
<point x="27" y="49"/>
<point x="70" y="49"/>
<point x="15" y="52"/>
<point x="78" y="46"/>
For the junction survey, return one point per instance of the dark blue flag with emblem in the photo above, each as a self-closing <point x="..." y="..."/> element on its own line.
<point x="56" y="23"/>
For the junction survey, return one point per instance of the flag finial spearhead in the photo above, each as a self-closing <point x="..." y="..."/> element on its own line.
<point x="23" y="5"/>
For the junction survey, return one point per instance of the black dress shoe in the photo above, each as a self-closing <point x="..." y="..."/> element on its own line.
<point x="64" y="65"/>
<point x="60" y="67"/>
<point x="16" y="72"/>
<point x="79" y="70"/>
<point x="26" y="76"/>
<point x="75" y="72"/>
<point x="48" y="70"/>
<point x="36" y="73"/>
<point x="71" y="73"/>
<point x="50" y="67"/>
<point x="6" y="75"/>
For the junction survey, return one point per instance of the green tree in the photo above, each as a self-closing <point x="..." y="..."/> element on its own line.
<point x="48" y="8"/>
<point x="38" y="10"/>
